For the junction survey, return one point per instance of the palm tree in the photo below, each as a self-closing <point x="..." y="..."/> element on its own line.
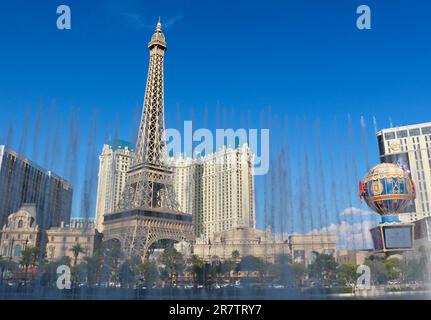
<point x="228" y="267"/>
<point x="236" y="259"/>
<point x="76" y="250"/>
<point x="26" y="258"/>
<point x="235" y="255"/>
<point x="29" y="257"/>
<point x="196" y="267"/>
<point x="35" y="253"/>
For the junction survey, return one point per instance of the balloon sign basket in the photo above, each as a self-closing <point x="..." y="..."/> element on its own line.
<point x="392" y="237"/>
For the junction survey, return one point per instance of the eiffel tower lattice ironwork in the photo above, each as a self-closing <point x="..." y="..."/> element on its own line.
<point x="150" y="181"/>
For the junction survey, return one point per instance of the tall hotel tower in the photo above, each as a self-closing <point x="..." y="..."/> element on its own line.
<point x="218" y="189"/>
<point x="410" y="146"/>
<point x="114" y="162"/>
<point x="23" y="182"/>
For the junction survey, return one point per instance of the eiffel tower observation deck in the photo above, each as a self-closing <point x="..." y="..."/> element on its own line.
<point x="148" y="211"/>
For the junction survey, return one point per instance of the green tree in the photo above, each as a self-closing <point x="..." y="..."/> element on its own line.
<point x="248" y="264"/>
<point x="127" y="273"/>
<point x="29" y="257"/>
<point x="173" y="263"/>
<point x="346" y="274"/>
<point x="394" y="267"/>
<point x="78" y="274"/>
<point x="94" y="265"/>
<point x="378" y="269"/>
<point x="195" y="266"/>
<point x="261" y="268"/>
<point x="298" y="272"/>
<point x="228" y="267"/>
<point x="251" y="264"/>
<point x="76" y="250"/>
<point x="112" y="255"/>
<point x="150" y="271"/>
<point x="323" y="268"/>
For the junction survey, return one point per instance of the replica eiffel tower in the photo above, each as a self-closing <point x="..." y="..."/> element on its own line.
<point x="148" y="211"/>
<point x="149" y="180"/>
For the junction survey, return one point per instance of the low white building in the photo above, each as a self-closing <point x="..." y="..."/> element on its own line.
<point x="61" y="240"/>
<point x="19" y="232"/>
<point x="262" y="244"/>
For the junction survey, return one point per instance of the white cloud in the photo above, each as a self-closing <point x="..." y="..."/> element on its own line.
<point x="353" y="211"/>
<point x="350" y="235"/>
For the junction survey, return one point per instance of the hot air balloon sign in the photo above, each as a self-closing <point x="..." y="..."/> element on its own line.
<point x="388" y="190"/>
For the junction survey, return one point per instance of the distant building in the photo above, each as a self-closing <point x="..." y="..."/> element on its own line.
<point x="304" y="248"/>
<point x="217" y="189"/>
<point x="62" y="239"/>
<point x="22" y="181"/>
<point x="114" y="162"/>
<point x="353" y="257"/>
<point x="247" y="241"/>
<point x="19" y="232"/>
<point x="262" y="244"/>
<point x="410" y="146"/>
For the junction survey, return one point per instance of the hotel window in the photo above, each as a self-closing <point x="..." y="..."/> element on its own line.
<point x="402" y="134"/>
<point x="426" y="130"/>
<point x="389" y="135"/>
<point x="414" y="132"/>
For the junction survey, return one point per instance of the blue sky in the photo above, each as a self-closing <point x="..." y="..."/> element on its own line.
<point x="305" y="59"/>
